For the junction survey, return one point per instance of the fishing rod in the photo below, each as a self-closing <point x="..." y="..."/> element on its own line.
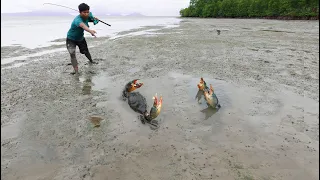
<point x="74" y="10"/>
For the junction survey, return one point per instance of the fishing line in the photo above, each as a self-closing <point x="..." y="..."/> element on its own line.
<point x="72" y="9"/>
<point x="60" y="6"/>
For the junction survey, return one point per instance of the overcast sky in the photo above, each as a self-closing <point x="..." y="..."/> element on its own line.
<point x="145" y="7"/>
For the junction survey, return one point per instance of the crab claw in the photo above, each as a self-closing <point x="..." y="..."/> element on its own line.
<point x="202" y="85"/>
<point x="211" y="89"/>
<point x="135" y="81"/>
<point x="155" y="100"/>
<point x="134" y="85"/>
<point x="160" y="102"/>
<point x="156" y="108"/>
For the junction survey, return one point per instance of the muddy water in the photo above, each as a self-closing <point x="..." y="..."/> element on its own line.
<point x="13" y="129"/>
<point x="179" y="93"/>
<point x="101" y="82"/>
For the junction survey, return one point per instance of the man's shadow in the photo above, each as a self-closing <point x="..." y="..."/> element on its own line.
<point x="209" y="111"/>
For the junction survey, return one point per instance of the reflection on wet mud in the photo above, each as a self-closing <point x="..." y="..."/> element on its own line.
<point x="87" y="84"/>
<point x="86" y="81"/>
<point x="199" y="95"/>
<point x="209" y="111"/>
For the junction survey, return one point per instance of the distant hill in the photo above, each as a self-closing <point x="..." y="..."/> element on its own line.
<point x="71" y="13"/>
<point x="37" y="13"/>
<point x="135" y="14"/>
<point x="124" y="14"/>
<point x="113" y="14"/>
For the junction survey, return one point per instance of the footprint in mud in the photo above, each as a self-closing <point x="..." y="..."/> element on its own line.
<point x="95" y="61"/>
<point x="99" y="59"/>
<point x="92" y="72"/>
<point x="153" y="124"/>
<point x="91" y="63"/>
<point x="87" y="86"/>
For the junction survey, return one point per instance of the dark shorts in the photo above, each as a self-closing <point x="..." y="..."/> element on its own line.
<point x="71" y="46"/>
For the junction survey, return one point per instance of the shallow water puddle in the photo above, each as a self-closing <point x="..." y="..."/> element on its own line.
<point x="178" y="90"/>
<point x="180" y="98"/>
<point x="10" y="130"/>
<point x="92" y="82"/>
<point x="13" y="129"/>
<point x="181" y="106"/>
<point x="101" y="82"/>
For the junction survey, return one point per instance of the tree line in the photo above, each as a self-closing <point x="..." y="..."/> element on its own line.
<point x="252" y="9"/>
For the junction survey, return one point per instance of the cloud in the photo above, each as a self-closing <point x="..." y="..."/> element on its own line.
<point x="146" y="7"/>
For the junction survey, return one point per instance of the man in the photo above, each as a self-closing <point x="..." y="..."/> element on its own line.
<point x="75" y="35"/>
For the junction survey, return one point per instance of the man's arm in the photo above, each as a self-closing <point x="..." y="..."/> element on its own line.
<point x="83" y="26"/>
<point x="93" y="19"/>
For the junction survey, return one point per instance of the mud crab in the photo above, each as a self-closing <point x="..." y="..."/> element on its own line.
<point x="209" y="95"/>
<point x="138" y="103"/>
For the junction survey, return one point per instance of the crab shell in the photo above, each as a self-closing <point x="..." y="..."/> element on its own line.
<point x="210" y="97"/>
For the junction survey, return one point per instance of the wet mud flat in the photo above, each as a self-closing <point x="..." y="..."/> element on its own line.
<point x="267" y="83"/>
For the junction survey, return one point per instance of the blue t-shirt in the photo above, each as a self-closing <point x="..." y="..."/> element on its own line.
<point x="76" y="32"/>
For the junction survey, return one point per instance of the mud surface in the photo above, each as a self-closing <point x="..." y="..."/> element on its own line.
<point x="267" y="83"/>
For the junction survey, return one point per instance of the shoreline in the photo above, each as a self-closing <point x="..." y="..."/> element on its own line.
<point x="41" y="39"/>
<point x="266" y="82"/>
<point x="21" y="54"/>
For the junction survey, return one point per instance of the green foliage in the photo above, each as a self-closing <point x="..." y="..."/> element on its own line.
<point x="251" y="8"/>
